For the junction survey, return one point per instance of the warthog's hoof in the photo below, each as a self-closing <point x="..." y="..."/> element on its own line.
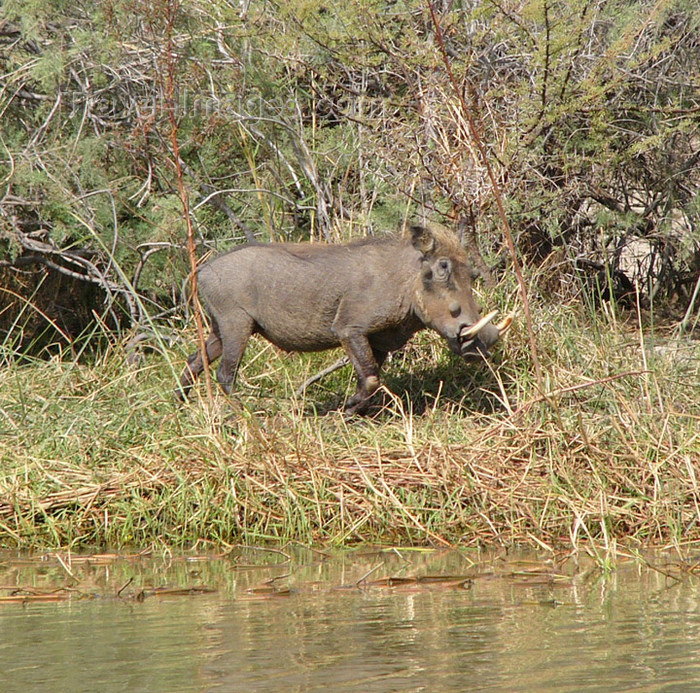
<point x="356" y="406"/>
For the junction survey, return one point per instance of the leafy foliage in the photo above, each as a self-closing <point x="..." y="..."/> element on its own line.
<point x="300" y="120"/>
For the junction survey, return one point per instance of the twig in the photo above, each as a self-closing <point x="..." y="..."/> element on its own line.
<point x="686" y="318"/>
<point x="340" y="363"/>
<point x="124" y="586"/>
<point x="574" y="388"/>
<point x="64" y="565"/>
<point x="368" y="573"/>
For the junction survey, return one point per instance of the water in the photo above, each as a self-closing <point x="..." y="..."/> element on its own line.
<point x="516" y="625"/>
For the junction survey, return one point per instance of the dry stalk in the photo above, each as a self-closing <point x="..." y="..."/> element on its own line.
<point x="173" y="7"/>
<point x="476" y="137"/>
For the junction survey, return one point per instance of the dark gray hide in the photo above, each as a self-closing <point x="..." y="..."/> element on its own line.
<point x="369" y="297"/>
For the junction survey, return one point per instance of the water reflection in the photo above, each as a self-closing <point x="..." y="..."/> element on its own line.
<point x="516" y="626"/>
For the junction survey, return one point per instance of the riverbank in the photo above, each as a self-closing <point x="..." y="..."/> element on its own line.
<point x="452" y="454"/>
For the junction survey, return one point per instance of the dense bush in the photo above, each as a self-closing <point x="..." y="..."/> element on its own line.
<point x="308" y="119"/>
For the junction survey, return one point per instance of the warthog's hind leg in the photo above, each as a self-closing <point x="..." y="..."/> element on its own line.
<point x="235" y="330"/>
<point x="195" y="362"/>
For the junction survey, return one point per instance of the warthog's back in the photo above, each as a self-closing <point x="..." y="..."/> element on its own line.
<point x="293" y="292"/>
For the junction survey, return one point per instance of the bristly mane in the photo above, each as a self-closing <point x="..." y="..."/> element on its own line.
<point x="447" y="240"/>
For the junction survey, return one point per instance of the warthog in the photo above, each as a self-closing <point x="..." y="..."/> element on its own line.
<point x="369" y="297"/>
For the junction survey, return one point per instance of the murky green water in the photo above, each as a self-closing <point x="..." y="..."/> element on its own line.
<point x="515" y="625"/>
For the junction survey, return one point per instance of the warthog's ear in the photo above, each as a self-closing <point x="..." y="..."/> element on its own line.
<point x="422" y="239"/>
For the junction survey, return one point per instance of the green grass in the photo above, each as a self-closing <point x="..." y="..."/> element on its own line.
<point x="99" y="454"/>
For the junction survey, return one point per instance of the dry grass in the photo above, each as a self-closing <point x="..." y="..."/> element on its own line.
<point x="95" y="455"/>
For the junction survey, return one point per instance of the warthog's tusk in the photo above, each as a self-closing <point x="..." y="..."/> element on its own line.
<point x="473" y="330"/>
<point x="503" y="326"/>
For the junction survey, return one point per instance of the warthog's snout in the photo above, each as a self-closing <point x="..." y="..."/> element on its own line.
<point x="476" y="340"/>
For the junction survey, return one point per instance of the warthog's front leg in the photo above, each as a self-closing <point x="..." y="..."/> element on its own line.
<point x="367" y="363"/>
<point x="228" y="338"/>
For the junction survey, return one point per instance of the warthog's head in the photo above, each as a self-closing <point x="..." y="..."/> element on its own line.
<point x="444" y="298"/>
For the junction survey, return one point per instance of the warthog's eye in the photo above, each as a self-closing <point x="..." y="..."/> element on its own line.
<point x="443" y="267"/>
